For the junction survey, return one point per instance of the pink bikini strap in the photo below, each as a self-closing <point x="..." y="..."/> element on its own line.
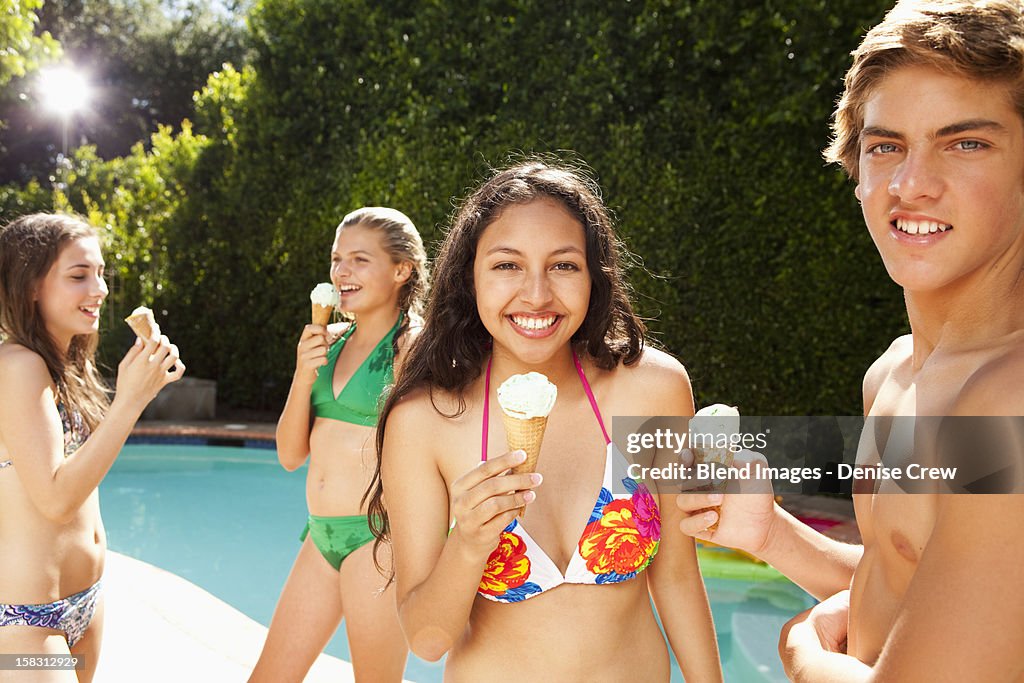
<point x="586" y="389"/>
<point x="590" y="395"/>
<point x="487" y="400"/>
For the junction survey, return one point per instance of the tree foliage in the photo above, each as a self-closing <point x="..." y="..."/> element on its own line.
<point x="145" y="59"/>
<point x="21" y="51"/>
<point x="133" y="201"/>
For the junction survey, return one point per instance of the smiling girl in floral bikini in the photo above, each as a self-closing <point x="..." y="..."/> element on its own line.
<point x="528" y="279"/>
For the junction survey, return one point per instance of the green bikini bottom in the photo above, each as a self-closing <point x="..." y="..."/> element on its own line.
<point x="337" y="537"/>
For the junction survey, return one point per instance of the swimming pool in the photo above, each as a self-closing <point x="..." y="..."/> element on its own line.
<point x="228" y="519"/>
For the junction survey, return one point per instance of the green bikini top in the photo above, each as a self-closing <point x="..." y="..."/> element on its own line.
<point x="359" y="398"/>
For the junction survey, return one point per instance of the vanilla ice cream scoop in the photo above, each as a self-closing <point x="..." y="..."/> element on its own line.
<point x="713" y="432"/>
<point x="718" y="420"/>
<point x="324" y="294"/>
<point x="718" y="409"/>
<point x="527" y="396"/>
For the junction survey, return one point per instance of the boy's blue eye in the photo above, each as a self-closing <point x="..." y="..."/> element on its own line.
<point x="882" y="148"/>
<point x="971" y="145"/>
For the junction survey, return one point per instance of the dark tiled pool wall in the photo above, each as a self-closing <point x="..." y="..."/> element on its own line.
<point x="197" y="440"/>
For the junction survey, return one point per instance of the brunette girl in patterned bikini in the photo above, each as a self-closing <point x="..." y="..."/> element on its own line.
<point x="59" y="435"/>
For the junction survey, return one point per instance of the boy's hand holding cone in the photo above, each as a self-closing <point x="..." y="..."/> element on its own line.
<point x="526" y="401"/>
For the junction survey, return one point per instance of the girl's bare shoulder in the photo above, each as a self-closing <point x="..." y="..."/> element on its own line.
<point x="408" y="337"/>
<point x="427" y="407"/>
<point x="656" y="384"/>
<point x="21" y="361"/>
<point x="22" y="371"/>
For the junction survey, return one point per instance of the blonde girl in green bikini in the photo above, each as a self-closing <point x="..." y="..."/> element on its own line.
<point x="378" y="265"/>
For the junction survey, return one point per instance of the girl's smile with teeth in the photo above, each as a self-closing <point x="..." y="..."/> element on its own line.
<point x="533" y="322"/>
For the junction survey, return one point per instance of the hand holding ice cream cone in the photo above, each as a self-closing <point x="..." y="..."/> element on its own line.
<point x="323" y="299"/>
<point x="147" y="330"/>
<point x="526" y="401"/>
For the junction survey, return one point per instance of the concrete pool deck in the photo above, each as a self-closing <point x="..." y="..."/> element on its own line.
<point x="160" y="628"/>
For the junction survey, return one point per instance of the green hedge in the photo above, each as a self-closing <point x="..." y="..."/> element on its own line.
<point x="133" y="201"/>
<point x="703" y="121"/>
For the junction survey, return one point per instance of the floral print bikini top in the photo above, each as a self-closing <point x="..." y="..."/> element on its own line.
<point x="619" y="541"/>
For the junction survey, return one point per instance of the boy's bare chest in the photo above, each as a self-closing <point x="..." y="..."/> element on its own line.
<point x="931" y="390"/>
<point x="895" y="530"/>
<point x="896" y="515"/>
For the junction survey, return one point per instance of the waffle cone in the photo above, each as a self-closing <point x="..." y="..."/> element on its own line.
<point x="706" y="455"/>
<point x="144" y="325"/>
<point x="321" y="315"/>
<point x="722" y="456"/>
<point x="526" y="435"/>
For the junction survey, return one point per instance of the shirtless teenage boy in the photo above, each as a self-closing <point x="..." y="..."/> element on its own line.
<point x="931" y="128"/>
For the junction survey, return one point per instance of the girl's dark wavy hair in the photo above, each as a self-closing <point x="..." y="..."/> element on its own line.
<point x="451" y="348"/>
<point x="29" y="246"/>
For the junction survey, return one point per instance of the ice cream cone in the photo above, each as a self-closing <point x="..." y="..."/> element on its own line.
<point x="527" y="435"/>
<point x="526" y="401"/>
<point x="715" y="421"/>
<point x="323" y="300"/>
<point x="143" y="324"/>
<point x="321" y="315"/>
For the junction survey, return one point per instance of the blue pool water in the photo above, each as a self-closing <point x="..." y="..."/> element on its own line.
<point x="228" y="519"/>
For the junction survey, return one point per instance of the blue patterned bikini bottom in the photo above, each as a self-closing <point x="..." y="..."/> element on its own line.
<point x="71" y="615"/>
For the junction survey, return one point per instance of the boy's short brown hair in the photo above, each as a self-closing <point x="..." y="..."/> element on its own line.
<point x="980" y="39"/>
